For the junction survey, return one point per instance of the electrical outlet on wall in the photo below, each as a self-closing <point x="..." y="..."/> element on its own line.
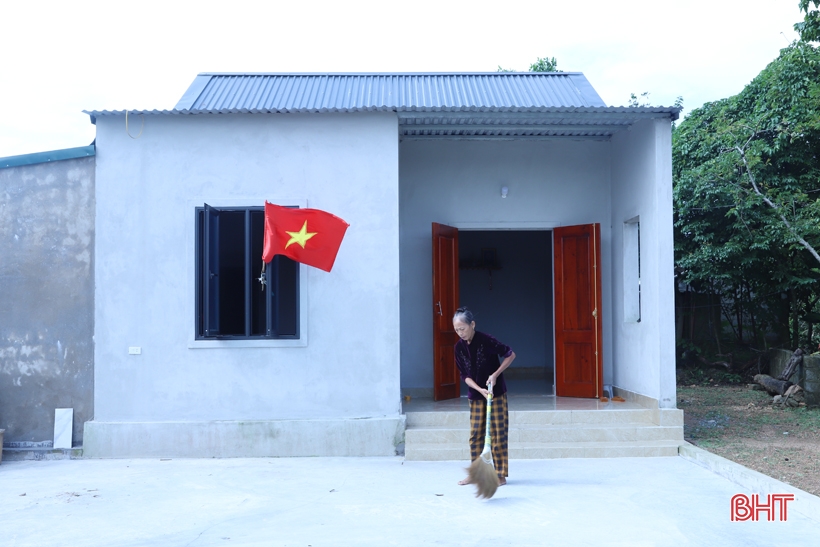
<point x="134" y="350"/>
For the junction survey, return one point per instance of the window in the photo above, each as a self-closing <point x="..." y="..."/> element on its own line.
<point x="632" y="270"/>
<point x="231" y="301"/>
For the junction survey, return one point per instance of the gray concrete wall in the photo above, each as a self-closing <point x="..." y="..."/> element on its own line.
<point x="807" y="375"/>
<point x="46" y="297"/>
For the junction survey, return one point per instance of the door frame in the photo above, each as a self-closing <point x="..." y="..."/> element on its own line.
<point x="541" y="226"/>
<point x="518" y="226"/>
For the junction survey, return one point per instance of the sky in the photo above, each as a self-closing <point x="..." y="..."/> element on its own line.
<point x="60" y="57"/>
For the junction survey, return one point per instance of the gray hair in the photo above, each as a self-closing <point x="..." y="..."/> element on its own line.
<point x="463" y="314"/>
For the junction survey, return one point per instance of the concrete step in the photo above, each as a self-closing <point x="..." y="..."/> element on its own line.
<point x="520" y="450"/>
<point x="546" y="417"/>
<point x="578" y="433"/>
<point x="41" y="454"/>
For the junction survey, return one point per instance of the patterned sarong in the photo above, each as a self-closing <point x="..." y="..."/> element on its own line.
<point x="499" y="428"/>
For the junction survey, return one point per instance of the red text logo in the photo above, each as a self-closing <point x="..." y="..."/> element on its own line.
<point x="775" y="507"/>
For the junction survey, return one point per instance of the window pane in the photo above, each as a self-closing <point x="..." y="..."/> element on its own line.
<point x="232" y="273"/>
<point x="258" y="296"/>
<point x="288" y="297"/>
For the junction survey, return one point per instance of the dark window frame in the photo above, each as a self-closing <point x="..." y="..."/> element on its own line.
<point x="281" y="289"/>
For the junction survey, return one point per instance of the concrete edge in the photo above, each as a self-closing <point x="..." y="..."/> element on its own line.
<point x="806" y="504"/>
<point x="382" y="436"/>
<point x="42" y="454"/>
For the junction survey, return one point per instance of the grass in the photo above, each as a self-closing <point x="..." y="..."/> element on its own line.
<point x="740" y="424"/>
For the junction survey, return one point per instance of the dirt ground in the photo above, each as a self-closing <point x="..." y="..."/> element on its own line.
<point x="740" y="424"/>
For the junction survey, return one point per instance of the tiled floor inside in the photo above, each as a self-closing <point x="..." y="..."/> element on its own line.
<point x="518" y="402"/>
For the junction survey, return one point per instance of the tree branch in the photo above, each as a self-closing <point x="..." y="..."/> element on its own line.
<point x="771" y="204"/>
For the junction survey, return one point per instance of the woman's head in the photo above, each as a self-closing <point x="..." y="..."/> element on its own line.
<point x="464" y="323"/>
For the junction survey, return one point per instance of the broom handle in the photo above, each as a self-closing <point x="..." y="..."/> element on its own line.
<point x="487" y="439"/>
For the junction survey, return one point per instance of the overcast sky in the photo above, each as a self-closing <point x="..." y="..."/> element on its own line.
<point x="61" y="57"/>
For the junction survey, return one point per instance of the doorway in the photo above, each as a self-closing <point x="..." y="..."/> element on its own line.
<point x="506" y="279"/>
<point x="577" y="311"/>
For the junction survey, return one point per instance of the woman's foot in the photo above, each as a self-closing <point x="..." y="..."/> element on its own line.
<point x="502" y="481"/>
<point x="464" y="482"/>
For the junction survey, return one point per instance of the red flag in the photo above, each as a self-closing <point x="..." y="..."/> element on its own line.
<point x="309" y="236"/>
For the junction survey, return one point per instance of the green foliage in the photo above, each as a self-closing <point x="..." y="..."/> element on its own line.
<point x="546" y="64"/>
<point x="634" y="101"/>
<point x="809" y="27"/>
<point x="731" y="239"/>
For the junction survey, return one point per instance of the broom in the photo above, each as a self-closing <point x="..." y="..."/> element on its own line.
<point x="481" y="472"/>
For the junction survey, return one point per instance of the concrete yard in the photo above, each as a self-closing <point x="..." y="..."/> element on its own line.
<point x="317" y="502"/>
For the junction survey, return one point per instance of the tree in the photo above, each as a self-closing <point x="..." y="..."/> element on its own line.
<point x="809" y="27"/>
<point x="545" y="64"/>
<point x="747" y="194"/>
<point x="634" y="101"/>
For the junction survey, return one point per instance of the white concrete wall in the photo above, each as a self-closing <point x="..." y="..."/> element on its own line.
<point x="348" y="364"/>
<point x="642" y="186"/>
<point x="551" y="183"/>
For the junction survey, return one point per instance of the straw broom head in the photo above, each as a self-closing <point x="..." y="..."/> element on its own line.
<point x="482" y="473"/>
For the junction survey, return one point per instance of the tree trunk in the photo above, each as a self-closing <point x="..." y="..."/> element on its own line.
<point x="771" y="385"/>
<point x="795" y="320"/>
<point x="715" y="320"/>
<point x="692" y="312"/>
<point x="752" y="316"/>
<point x="794" y="361"/>
<point x="739" y="312"/>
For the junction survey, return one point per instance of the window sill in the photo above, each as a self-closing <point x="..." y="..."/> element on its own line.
<point x="228" y="344"/>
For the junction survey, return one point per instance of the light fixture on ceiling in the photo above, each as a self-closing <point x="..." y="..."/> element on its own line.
<point x="504" y="191"/>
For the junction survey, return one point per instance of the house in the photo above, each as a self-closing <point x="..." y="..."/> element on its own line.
<point x="521" y="195"/>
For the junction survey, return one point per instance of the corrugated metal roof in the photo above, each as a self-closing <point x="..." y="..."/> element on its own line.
<point x="396" y="92"/>
<point x="460" y="105"/>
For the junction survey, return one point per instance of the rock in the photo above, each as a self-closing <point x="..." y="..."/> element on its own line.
<point x="777" y="399"/>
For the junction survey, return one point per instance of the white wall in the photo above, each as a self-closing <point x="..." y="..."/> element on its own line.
<point x="551" y="183"/>
<point x="147" y="188"/>
<point x="642" y="186"/>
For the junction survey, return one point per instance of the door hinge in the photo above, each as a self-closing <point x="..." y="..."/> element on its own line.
<point x="595" y="312"/>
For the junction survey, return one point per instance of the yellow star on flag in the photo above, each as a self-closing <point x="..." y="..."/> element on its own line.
<point x="301" y="237"/>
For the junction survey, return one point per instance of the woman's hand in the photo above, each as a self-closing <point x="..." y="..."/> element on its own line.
<point x="492" y="380"/>
<point x="484" y="392"/>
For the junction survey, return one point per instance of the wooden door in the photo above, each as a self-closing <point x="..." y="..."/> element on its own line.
<point x="446" y="379"/>
<point x="578" y="357"/>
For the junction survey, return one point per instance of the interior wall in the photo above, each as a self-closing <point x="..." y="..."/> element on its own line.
<point x="517" y="307"/>
<point x="642" y="187"/>
<point x="551" y="183"/>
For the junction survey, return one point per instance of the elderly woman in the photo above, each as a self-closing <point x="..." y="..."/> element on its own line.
<point x="477" y="358"/>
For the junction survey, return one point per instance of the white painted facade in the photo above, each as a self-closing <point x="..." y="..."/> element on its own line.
<point x="345" y="368"/>
<point x="367" y="326"/>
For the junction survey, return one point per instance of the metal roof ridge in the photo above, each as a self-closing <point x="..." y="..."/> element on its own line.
<point x="48" y="156"/>
<point x="454" y="73"/>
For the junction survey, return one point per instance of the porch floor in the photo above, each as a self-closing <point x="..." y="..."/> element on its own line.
<point x="518" y="402"/>
<point x="542" y="427"/>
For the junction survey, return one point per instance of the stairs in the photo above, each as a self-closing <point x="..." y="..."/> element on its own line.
<point x="610" y="432"/>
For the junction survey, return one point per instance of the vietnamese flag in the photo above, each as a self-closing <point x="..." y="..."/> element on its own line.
<point x="309" y="236"/>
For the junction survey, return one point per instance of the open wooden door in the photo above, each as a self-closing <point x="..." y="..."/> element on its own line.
<point x="578" y="341"/>
<point x="446" y="379"/>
